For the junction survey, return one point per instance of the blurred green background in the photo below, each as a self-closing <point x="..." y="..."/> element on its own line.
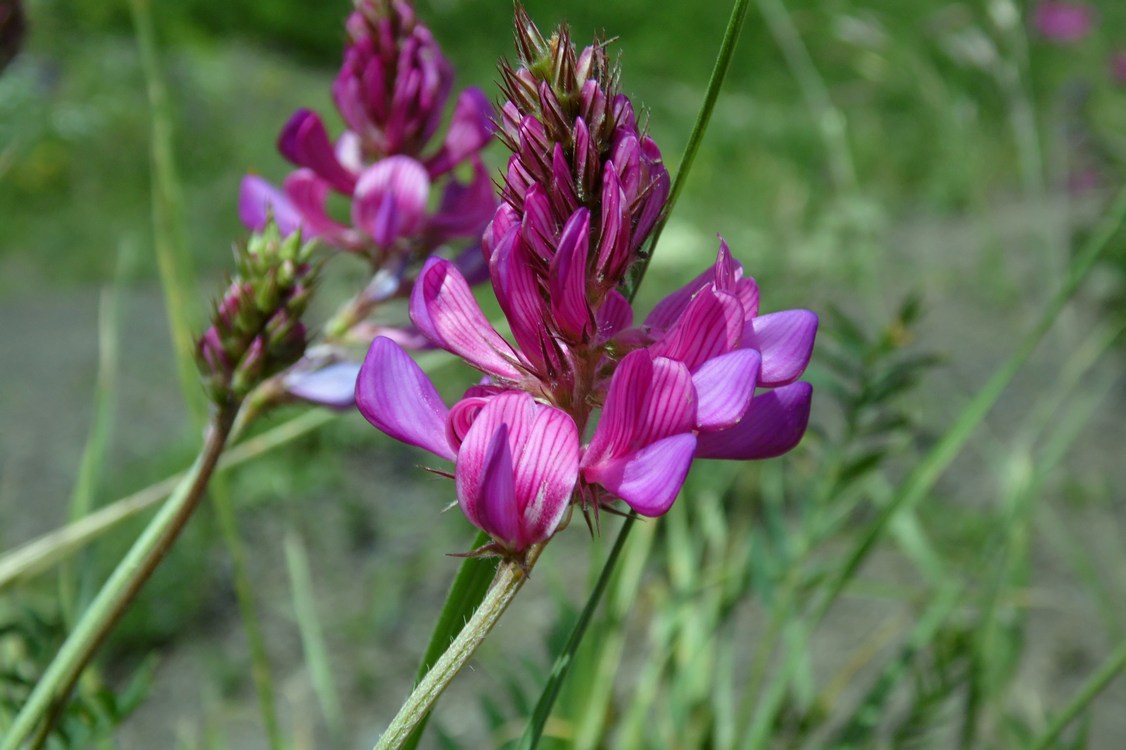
<point x="861" y="152"/>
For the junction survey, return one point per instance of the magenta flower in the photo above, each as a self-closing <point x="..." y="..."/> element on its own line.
<point x="1063" y="22"/>
<point x="705" y="376"/>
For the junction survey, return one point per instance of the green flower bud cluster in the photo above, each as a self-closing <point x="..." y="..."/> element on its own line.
<point x="256" y="329"/>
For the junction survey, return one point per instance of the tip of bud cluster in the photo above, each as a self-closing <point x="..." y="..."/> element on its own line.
<point x="256" y="328"/>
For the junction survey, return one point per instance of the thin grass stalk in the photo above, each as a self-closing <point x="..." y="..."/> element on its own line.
<point x="260" y="671"/>
<point x="169" y="227"/>
<point x="40" y="555"/>
<point x="51" y="692"/>
<point x="696" y="138"/>
<point x="94" y="452"/>
<point x="1096" y="683"/>
<point x="562" y="666"/>
<point x="312" y="635"/>
<point x="924" y="475"/>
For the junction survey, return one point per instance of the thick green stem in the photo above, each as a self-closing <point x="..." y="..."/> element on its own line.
<point x="510" y="577"/>
<point x="132" y="572"/>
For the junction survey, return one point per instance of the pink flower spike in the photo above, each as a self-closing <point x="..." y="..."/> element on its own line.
<point x="390" y="200"/>
<point x="774" y="424"/>
<point x="304" y="141"/>
<point x="395" y="395"/>
<point x="724" y="387"/>
<point x="517" y="468"/>
<point x="650" y="399"/>
<point x="443" y="308"/>
<point x="785" y="340"/>
<point x="258" y="199"/>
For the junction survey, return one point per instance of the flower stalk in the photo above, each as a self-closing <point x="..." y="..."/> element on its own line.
<point x="510" y="577"/>
<point x="51" y="692"/>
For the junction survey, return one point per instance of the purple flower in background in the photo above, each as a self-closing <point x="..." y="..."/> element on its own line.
<point x="392" y="91"/>
<point x="1063" y="22"/>
<point x="1118" y="67"/>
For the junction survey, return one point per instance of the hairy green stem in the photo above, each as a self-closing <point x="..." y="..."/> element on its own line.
<point x="509" y="579"/>
<point x="51" y="692"/>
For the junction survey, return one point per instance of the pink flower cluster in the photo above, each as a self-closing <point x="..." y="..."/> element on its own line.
<point x="705" y="376"/>
<point x="391" y="92"/>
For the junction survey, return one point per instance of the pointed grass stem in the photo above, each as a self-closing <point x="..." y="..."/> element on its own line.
<point x="52" y="690"/>
<point x="1111" y="668"/>
<point x="509" y="579"/>
<point x="699" y="128"/>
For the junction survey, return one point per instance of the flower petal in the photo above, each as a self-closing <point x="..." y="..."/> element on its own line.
<point x="649" y="479"/>
<point x="465" y="209"/>
<point x="304" y="141"/>
<point x="724" y="387"/>
<point x="567" y="279"/>
<point x="785" y="340"/>
<point x="773" y="424"/>
<point x="333" y="386"/>
<point x="650" y="398"/>
<point x="711" y="325"/>
<point x="614" y="315"/>
<point x="258" y="199"/>
<point x="470" y="129"/>
<point x="390" y="199"/>
<point x="444" y="309"/>
<point x="536" y="448"/>
<point x="395" y="395"/>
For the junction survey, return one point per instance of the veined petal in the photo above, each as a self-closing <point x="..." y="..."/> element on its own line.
<point x="648" y="480"/>
<point x="650" y="398"/>
<point x="547" y="468"/>
<point x="538" y="225"/>
<point x="614" y="315"/>
<point x="724" y="387"/>
<point x="394" y="394"/>
<point x="517" y="468"/>
<point x="518" y="291"/>
<point x="711" y="325"/>
<point x="503" y="220"/>
<point x="259" y="199"/>
<point x="443" y="308"/>
<point x="567" y="279"/>
<point x="613" y="244"/>
<point x="785" y="340"/>
<point x="774" y="423"/>
<point x="390" y="199"/>
<point x="304" y="141"/>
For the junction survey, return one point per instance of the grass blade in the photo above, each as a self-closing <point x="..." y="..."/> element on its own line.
<point x="312" y="636"/>
<point x="1098" y="682"/>
<point x="924" y="475"/>
<point x="181" y="292"/>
